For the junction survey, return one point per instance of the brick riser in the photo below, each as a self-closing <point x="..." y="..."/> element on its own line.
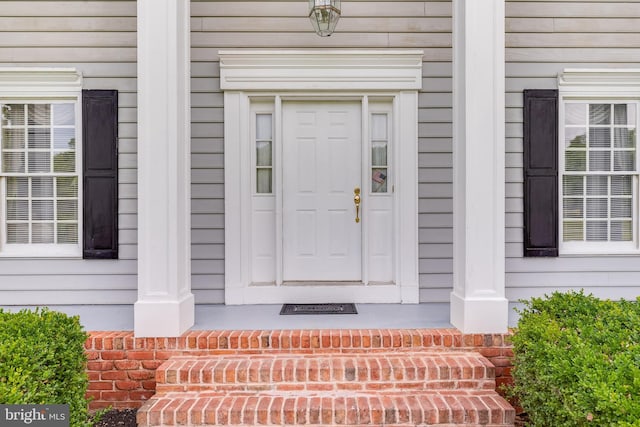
<point x="356" y="372"/>
<point x="353" y="409"/>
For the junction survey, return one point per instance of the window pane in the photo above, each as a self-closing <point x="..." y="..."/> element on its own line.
<point x="263" y="126"/>
<point x="18" y="233"/>
<point x="39" y="161"/>
<point x="13" y="162"/>
<point x="572" y="231"/>
<point x="379" y="126"/>
<point x="263" y="153"/>
<point x="17" y="187"/>
<point x="621" y="208"/>
<point x="624" y="114"/>
<point x="576" y="160"/>
<point x="263" y="177"/>
<point x="621" y="185"/>
<point x="624" y="160"/>
<point x="42" y="233"/>
<point x="13" y="115"/>
<point x="67" y="186"/>
<point x="40" y="138"/>
<point x="597" y="231"/>
<point x="17" y="210"/>
<point x="600" y="114"/>
<point x="631" y="114"/>
<point x="621" y="231"/>
<point x="573" y="208"/>
<point x="379" y="153"/>
<point x="572" y="185"/>
<point x="575" y="114"/>
<point x="597" y="185"/>
<point x="379" y="180"/>
<point x="599" y="137"/>
<point x="42" y="186"/>
<point x="624" y="138"/>
<point x="597" y="208"/>
<point x="64" y="139"/>
<point x="39" y="115"/>
<point x="64" y="114"/>
<point x="67" y="233"/>
<point x="600" y="161"/>
<point x="575" y="137"/>
<point x="64" y="161"/>
<point x="13" y="139"/>
<point x="42" y="210"/>
<point x="67" y="210"/>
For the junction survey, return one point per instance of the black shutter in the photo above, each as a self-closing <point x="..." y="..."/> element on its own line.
<point x="100" y="173"/>
<point x="541" y="173"/>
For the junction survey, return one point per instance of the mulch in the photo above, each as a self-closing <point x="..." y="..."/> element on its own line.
<point x="118" y="418"/>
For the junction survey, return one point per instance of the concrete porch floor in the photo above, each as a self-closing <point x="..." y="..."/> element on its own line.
<point x="267" y="317"/>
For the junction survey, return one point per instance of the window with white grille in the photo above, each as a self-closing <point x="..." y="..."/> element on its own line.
<point x="599" y="175"/>
<point x="39" y="172"/>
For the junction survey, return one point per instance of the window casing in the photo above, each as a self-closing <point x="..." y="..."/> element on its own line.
<point x="40" y="162"/>
<point x="598" y="175"/>
<point x="263" y="140"/>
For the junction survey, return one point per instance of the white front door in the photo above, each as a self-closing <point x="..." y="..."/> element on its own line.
<point x="322" y="156"/>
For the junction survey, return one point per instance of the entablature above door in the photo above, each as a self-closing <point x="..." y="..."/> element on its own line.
<point x="321" y="69"/>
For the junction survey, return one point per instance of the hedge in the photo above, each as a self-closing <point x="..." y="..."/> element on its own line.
<point x="577" y="361"/>
<point x="42" y="361"/>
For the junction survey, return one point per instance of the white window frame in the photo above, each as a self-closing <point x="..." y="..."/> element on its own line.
<point x="42" y="86"/>
<point x="606" y="86"/>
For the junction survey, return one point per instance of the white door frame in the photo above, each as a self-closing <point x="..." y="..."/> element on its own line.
<point x="332" y="75"/>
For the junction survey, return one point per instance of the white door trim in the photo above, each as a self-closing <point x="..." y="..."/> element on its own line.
<point x="344" y="75"/>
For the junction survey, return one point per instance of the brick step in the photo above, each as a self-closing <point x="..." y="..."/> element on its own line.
<point x="460" y="408"/>
<point x="327" y="372"/>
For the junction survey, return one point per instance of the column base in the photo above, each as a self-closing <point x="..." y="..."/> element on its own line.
<point x="163" y="318"/>
<point x="479" y="315"/>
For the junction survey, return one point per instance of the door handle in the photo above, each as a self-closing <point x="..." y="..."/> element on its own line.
<point x="356" y="200"/>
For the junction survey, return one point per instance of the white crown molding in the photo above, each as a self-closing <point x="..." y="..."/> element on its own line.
<point x="39" y="82"/>
<point x="616" y="82"/>
<point x="320" y="69"/>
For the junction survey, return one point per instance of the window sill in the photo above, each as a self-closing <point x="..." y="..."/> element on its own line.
<point x="41" y="251"/>
<point x="590" y="253"/>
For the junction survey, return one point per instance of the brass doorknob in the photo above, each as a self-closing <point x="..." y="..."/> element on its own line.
<point x="356" y="200"/>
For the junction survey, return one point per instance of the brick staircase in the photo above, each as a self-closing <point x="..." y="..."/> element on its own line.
<point x="386" y="387"/>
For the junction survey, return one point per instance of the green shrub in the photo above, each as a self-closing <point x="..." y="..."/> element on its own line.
<point x="42" y="361"/>
<point x="577" y="361"/>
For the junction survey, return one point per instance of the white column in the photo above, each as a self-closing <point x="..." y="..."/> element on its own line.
<point x="478" y="303"/>
<point x="165" y="305"/>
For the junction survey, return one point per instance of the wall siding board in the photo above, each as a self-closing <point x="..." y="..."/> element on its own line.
<point x="283" y="24"/>
<point x="543" y="38"/>
<point x="98" y="38"/>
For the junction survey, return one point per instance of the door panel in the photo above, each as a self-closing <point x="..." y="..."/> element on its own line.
<point x="321" y="168"/>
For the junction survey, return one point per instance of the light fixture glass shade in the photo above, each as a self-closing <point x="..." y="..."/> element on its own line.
<point x="324" y="15"/>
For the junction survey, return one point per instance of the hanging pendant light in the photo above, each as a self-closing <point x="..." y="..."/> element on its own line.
<point x="324" y="15"/>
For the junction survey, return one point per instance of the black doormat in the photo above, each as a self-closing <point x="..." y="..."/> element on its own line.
<point x="346" y="308"/>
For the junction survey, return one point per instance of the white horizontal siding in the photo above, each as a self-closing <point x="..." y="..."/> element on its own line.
<point x="543" y="38"/>
<point x="99" y="39"/>
<point x="364" y="24"/>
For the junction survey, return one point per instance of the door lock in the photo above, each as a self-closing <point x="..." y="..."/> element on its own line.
<point x="356" y="200"/>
